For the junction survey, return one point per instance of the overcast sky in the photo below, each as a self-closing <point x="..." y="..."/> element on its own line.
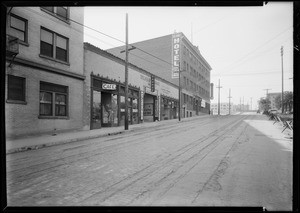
<point x="241" y="44"/>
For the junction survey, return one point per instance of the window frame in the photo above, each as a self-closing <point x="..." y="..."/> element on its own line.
<point x="26" y="28"/>
<point x="53" y="101"/>
<point x="54" y="57"/>
<point x="8" y="100"/>
<point x="54" y="13"/>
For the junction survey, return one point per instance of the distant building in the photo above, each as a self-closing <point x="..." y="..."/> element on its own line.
<point x="272" y="97"/>
<point x="172" y="52"/>
<point x="44" y="70"/>
<point x="224" y="108"/>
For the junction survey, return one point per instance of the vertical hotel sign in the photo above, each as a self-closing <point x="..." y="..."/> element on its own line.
<point x="175" y="54"/>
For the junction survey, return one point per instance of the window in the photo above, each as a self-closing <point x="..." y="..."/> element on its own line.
<point x="54" y="45"/>
<point x="53" y="99"/>
<point x="16" y="88"/>
<point x="18" y="27"/>
<point x="60" y="12"/>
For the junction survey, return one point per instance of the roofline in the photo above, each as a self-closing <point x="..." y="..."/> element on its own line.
<point x="98" y="50"/>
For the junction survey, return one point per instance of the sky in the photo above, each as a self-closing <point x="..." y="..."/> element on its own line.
<point x="241" y="44"/>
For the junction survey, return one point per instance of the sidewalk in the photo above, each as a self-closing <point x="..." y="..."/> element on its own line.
<point x="40" y="141"/>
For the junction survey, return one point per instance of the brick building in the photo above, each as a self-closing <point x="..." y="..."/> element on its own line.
<point x="171" y="51"/>
<point x="44" y="70"/>
<point x="104" y="98"/>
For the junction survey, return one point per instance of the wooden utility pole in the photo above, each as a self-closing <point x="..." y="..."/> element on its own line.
<point x="179" y="96"/>
<point x="282" y="98"/>
<point x="126" y="76"/>
<point x="229" y="100"/>
<point x="219" y="87"/>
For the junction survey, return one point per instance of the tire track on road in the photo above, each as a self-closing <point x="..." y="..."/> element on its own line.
<point x="129" y="182"/>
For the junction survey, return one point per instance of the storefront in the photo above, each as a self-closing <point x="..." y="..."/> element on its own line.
<point x="169" y="108"/>
<point x="108" y="103"/>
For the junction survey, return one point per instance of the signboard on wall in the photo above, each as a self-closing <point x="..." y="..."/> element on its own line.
<point x="175" y="55"/>
<point x="142" y="105"/>
<point x="203" y="103"/>
<point x="109" y="86"/>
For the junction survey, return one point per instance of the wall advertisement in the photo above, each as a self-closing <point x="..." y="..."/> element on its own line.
<point x="175" y="55"/>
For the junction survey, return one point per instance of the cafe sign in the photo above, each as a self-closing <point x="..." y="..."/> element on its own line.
<point x="109" y="86"/>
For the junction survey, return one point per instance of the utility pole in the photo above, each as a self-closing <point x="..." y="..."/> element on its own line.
<point x="240" y="104"/>
<point x="251" y="102"/>
<point x="126" y="76"/>
<point x="219" y="87"/>
<point x="267" y="92"/>
<point x="243" y="104"/>
<point x="282" y="80"/>
<point x="229" y="100"/>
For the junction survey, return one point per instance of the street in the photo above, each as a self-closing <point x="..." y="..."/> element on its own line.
<point x="233" y="160"/>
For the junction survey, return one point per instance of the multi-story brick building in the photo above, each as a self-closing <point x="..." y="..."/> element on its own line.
<point x="104" y="98"/>
<point x="44" y="70"/>
<point x="163" y="56"/>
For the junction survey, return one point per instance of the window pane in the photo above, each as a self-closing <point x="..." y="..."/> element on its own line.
<point x="46" y="49"/>
<point x="61" y="42"/>
<point x="19" y="34"/>
<point x="53" y="87"/>
<point x="17" y="23"/>
<point x="61" y="54"/>
<point x="46" y="109"/>
<point x="62" y="12"/>
<point x="60" y="110"/>
<point x="60" y="99"/>
<point x="51" y="9"/>
<point x="46" y="97"/>
<point x="46" y="36"/>
<point x="16" y="88"/>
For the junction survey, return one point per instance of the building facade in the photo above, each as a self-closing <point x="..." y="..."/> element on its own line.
<point x="44" y="70"/>
<point x="173" y="52"/>
<point x="224" y="108"/>
<point x="151" y="98"/>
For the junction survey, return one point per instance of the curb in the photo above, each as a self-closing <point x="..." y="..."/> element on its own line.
<point x="35" y="147"/>
<point x="70" y="140"/>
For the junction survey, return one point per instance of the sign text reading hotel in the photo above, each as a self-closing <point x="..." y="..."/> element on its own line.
<point x="175" y="55"/>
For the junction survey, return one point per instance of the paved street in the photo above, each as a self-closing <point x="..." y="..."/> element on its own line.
<point x="238" y="160"/>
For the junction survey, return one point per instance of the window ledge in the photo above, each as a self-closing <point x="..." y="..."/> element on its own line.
<point x="53" y="59"/>
<point x="16" y="102"/>
<point x="24" y="43"/>
<point x="53" y="117"/>
<point x="56" y="16"/>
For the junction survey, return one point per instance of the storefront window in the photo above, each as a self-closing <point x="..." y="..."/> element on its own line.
<point x="96" y="110"/>
<point x="135" y="114"/>
<point x="114" y="115"/>
<point x="122" y="110"/>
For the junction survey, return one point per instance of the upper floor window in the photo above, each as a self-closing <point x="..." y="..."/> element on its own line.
<point x="61" y="12"/>
<point x="18" y="27"/>
<point x="54" y="45"/>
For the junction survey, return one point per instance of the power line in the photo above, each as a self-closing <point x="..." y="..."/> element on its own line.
<point x="107" y="36"/>
<point x="242" y="58"/>
<point x="106" y="42"/>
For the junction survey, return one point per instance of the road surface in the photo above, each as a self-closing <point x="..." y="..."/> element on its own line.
<point x="237" y="160"/>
